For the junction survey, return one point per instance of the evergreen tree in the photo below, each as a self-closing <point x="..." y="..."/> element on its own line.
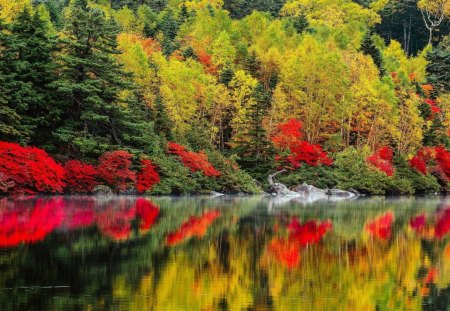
<point x="438" y="69"/>
<point x="169" y="28"/>
<point x="102" y="109"/>
<point x="28" y="72"/>
<point x="368" y="47"/>
<point x="253" y="148"/>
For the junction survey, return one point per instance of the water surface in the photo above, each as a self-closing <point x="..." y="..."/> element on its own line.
<point x="224" y="253"/>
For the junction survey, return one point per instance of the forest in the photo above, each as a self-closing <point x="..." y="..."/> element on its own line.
<point x="188" y="97"/>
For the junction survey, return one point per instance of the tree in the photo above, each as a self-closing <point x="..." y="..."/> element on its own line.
<point x="31" y="75"/>
<point x="101" y="107"/>
<point x="438" y="68"/>
<point x="368" y="47"/>
<point x="433" y="13"/>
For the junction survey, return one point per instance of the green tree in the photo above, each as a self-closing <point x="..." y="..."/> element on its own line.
<point x="438" y="68"/>
<point x="101" y="109"/>
<point x="368" y="47"/>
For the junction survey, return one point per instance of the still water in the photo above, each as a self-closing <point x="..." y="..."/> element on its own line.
<point x="224" y="253"/>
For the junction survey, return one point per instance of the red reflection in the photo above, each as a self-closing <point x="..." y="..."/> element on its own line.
<point x="80" y="213"/>
<point x="418" y="223"/>
<point x="115" y="219"/>
<point x="147" y="212"/>
<point x="29" y="221"/>
<point x="286" y="252"/>
<point x="310" y="232"/>
<point x="194" y="226"/>
<point x="381" y="227"/>
<point x="443" y="223"/>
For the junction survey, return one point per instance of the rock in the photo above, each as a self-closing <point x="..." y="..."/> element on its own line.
<point x="129" y="191"/>
<point x="216" y="194"/>
<point x="103" y="190"/>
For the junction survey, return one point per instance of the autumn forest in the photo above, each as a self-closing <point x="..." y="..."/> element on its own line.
<point x="188" y="97"/>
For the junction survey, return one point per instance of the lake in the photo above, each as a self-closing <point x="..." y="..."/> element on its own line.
<point x="224" y="253"/>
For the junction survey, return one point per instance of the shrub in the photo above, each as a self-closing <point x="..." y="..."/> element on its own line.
<point x="80" y="177"/>
<point x="195" y="161"/>
<point x="29" y="170"/>
<point x="147" y="177"/>
<point x="288" y="140"/>
<point x="382" y="160"/>
<point x="114" y="168"/>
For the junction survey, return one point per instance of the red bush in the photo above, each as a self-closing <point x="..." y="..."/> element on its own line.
<point x="147" y="177"/>
<point x="419" y="164"/>
<point x="114" y="168"/>
<point x="29" y="170"/>
<point x="195" y="161"/>
<point x="285" y="251"/>
<point x="80" y="177"/>
<point x="435" y="159"/>
<point x="442" y="227"/>
<point x="289" y="138"/>
<point x="382" y="159"/>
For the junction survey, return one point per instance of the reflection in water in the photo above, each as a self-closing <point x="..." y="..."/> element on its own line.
<point x="88" y="253"/>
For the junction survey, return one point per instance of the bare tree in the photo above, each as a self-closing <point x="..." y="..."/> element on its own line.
<point x="433" y="13"/>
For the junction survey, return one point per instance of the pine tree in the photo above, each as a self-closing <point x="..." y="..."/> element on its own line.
<point x="368" y="47"/>
<point x="102" y="108"/>
<point x="253" y="148"/>
<point x="10" y="120"/>
<point x="169" y="27"/>
<point x="438" y="69"/>
<point x="34" y="75"/>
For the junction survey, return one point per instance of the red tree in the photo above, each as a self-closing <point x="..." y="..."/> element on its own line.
<point x="29" y="170"/>
<point x="195" y="161"/>
<point x="114" y="168"/>
<point x="147" y="177"/>
<point x="289" y="139"/>
<point x="382" y="159"/>
<point x="80" y="177"/>
<point x="311" y="232"/>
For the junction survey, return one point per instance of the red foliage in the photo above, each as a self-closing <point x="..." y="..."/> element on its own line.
<point x="29" y="221"/>
<point x="147" y="212"/>
<point x="310" y="232"/>
<point x="147" y="177"/>
<point x="194" y="226"/>
<point x="80" y="177"/>
<point x="289" y="138"/>
<point x="443" y="160"/>
<point x="114" y="168"/>
<point x="419" y="164"/>
<point x="433" y="106"/>
<point x="436" y="159"/>
<point x="29" y="170"/>
<point x="193" y="160"/>
<point x="206" y="60"/>
<point x="382" y="159"/>
<point x="285" y="251"/>
<point x="381" y="227"/>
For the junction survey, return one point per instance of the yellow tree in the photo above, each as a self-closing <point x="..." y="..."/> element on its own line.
<point x="9" y="9"/>
<point x="313" y="82"/>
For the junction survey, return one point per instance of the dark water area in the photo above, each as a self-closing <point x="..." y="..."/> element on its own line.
<point x="224" y="253"/>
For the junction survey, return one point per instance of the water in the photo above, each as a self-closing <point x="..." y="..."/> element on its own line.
<point x="224" y="253"/>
